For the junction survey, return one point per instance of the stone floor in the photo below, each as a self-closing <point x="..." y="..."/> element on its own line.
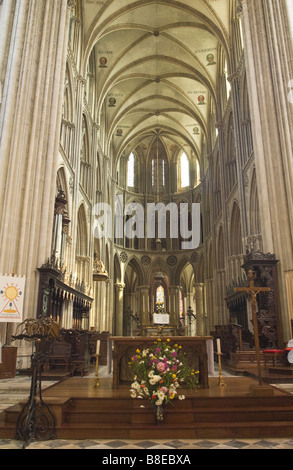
<point x="12" y="390"/>
<point x="173" y="445"/>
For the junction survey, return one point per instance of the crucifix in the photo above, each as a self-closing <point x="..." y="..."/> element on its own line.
<point x="253" y="290"/>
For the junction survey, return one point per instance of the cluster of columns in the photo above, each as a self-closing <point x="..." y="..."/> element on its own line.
<point x="269" y="65"/>
<point x="124" y="303"/>
<point x="34" y="35"/>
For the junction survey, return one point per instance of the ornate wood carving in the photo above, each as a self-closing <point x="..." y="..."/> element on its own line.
<point x="264" y="266"/>
<point x="53" y="292"/>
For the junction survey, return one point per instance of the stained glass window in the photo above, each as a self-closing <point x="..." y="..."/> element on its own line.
<point x="184" y="163"/>
<point x="131" y="171"/>
<point x="160" y="295"/>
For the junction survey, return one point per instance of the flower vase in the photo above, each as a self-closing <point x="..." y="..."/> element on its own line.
<point x="159" y="413"/>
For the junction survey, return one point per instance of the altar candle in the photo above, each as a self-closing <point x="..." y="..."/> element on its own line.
<point x="98" y="347"/>
<point x="218" y="346"/>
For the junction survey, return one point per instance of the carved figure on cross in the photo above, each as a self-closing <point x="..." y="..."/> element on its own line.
<point x="252" y="291"/>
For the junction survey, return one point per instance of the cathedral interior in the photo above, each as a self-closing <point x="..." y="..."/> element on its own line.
<point x="124" y="104"/>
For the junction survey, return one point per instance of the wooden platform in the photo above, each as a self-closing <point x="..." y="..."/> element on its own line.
<point x="85" y="412"/>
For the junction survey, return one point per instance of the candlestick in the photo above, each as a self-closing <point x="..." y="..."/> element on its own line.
<point x="218" y="346"/>
<point x="221" y="382"/>
<point x="97" y="382"/>
<point x="98" y="347"/>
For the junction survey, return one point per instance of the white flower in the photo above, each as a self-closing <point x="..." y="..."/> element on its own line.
<point x="161" y="395"/>
<point x="154" y="379"/>
<point x="133" y="393"/>
<point x="181" y="397"/>
<point x="159" y="402"/>
<point x="135" y="385"/>
<point x="151" y="374"/>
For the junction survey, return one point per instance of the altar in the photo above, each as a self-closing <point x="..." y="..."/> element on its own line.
<point x="199" y="351"/>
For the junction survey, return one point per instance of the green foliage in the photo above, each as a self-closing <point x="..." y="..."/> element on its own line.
<point x="160" y="371"/>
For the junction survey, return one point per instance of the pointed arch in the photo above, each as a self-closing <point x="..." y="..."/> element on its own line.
<point x="199" y="272"/>
<point x="220" y="250"/>
<point x="134" y="263"/>
<point x="117" y="270"/>
<point x="180" y="268"/>
<point x="217" y="188"/>
<point x="235" y="231"/>
<point x="183" y="173"/>
<point x="254" y="213"/>
<point x="210" y="262"/>
<point x="230" y="156"/>
<point x="82" y="232"/>
<point x="68" y="103"/>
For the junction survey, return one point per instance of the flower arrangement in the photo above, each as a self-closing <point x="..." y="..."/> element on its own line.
<point x="159" y="371"/>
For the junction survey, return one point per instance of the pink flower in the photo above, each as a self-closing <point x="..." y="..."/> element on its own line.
<point x="161" y="367"/>
<point x="164" y="389"/>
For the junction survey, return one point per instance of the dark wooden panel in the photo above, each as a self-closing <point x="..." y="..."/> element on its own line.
<point x="8" y="365"/>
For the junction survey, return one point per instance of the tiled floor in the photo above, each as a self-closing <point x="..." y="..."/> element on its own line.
<point x="13" y="389"/>
<point x="172" y="445"/>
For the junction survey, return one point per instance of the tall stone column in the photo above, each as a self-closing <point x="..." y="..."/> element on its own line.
<point x="236" y="106"/>
<point x="119" y="292"/>
<point x="144" y="305"/>
<point x="210" y="309"/>
<point x="77" y="146"/>
<point x="199" y="302"/>
<point x="222" y="315"/>
<point x="33" y="82"/>
<point x="269" y="65"/>
<point x="108" y="322"/>
<point x="174" y="305"/>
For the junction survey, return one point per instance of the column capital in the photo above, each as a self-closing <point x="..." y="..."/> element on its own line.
<point x="81" y="80"/>
<point x="143" y="287"/>
<point x="239" y="9"/>
<point x="199" y="284"/>
<point x="71" y="4"/>
<point x="233" y="77"/>
<point x="219" y="125"/>
<point x="174" y="287"/>
<point x="120" y="286"/>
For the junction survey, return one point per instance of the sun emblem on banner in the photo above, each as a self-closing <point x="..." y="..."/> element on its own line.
<point x="11" y="298"/>
<point x="12" y="294"/>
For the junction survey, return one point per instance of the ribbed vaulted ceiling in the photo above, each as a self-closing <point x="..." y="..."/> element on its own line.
<point x="158" y="66"/>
